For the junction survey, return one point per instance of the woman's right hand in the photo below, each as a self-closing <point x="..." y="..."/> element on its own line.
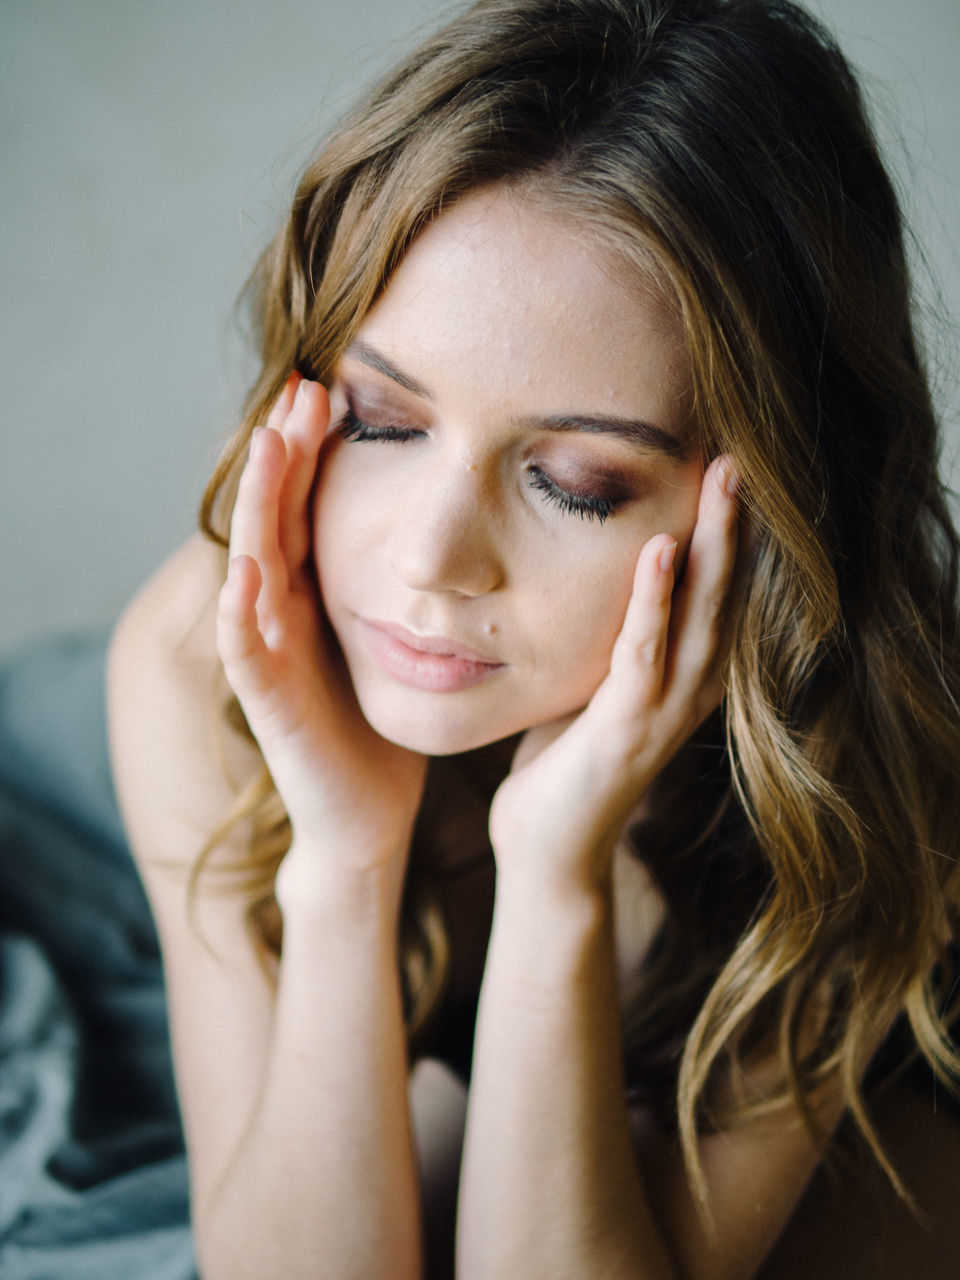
<point x="351" y="796"/>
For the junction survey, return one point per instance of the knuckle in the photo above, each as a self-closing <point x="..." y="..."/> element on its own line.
<point x="228" y="608"/>
<point x="649" y="651"/>
<point x="230" y="633"/>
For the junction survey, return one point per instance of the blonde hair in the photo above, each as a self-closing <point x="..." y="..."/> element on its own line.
<point x="814" y="853"/>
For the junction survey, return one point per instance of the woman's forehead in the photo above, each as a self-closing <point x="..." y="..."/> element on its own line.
<point x="500" y="295"/>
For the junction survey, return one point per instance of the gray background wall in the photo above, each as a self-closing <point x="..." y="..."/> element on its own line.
<point x="146" y="151"/>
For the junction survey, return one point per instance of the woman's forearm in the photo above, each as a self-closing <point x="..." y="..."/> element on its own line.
<point x="549" y="1186"/>
<point x="323" y="1180"/>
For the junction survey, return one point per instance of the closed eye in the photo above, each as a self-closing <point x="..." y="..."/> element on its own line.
<point x="588" y="506"/>
<point x="350" y="427"/>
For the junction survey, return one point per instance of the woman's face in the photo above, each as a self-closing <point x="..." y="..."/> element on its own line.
<point x="509" y="427"/>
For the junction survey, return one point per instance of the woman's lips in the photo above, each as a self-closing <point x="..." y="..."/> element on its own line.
<point x="432" y="663"/>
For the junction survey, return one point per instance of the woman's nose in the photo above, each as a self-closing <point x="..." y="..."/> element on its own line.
<point x="446" y="538"/>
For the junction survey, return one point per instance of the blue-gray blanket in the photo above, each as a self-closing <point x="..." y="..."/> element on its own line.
<point x="93" y="1178"/>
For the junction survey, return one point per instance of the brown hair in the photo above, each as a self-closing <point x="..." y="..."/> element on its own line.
<point x="814" y="854"/>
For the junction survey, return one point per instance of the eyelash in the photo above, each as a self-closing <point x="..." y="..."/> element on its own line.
<point x="586" y="506"/>
<point x="351" y="428"/>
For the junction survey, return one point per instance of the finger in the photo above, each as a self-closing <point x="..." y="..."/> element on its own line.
<point x="284" y="402"/>
<point x="303" y="433"/>
<point x="701" y="598"/>
<point x="240" y="643"/>
<point x="254" y="526"/>
<point x="638" y="661"/>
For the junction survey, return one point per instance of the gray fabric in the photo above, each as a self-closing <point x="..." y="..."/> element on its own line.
<point x="93" y="1178"/>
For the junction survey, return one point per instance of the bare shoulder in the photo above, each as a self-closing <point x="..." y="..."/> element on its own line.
<point x="177" y="775"/>
<point x="165" y="693"/>
<point x="164" y="641"/>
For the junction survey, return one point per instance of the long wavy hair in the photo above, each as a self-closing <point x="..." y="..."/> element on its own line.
<point x="806" y="841"/>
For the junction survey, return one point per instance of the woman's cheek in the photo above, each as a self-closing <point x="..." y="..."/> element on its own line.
<point x="346" y="493"/>
<point x="589" y="592"/>
<point x="338" y="505"/>
<point x="586" y="609"/>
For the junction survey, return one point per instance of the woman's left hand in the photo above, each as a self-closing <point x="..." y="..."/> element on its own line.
<point x="573" y="783"/>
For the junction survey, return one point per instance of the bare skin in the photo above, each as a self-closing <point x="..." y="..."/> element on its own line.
<point x="164" y="667"/>
<point x="301" y="1114"/>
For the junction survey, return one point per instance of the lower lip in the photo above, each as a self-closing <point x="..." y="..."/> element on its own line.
<point x="431" y="672"/>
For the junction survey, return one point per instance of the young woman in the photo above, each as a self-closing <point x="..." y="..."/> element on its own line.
<point x="582" y="598"/>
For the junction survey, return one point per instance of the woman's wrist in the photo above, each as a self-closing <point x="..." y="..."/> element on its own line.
<point x="562" y="879"/>
<point x="547" y="929"/>
<point x="317" y="884"/>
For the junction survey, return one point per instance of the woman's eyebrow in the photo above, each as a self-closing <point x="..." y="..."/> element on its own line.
<point x="637" y="431"/>
<point x="372" y="358"/>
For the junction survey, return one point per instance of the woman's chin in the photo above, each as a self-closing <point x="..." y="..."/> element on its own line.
<point x="437" y="732"/>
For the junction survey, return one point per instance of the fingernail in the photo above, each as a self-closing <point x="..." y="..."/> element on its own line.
<point x="731" y="481"/>
<point x="256" y="441"/>
<point x="302" y="389"/>
<point x="665" y="559"/>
